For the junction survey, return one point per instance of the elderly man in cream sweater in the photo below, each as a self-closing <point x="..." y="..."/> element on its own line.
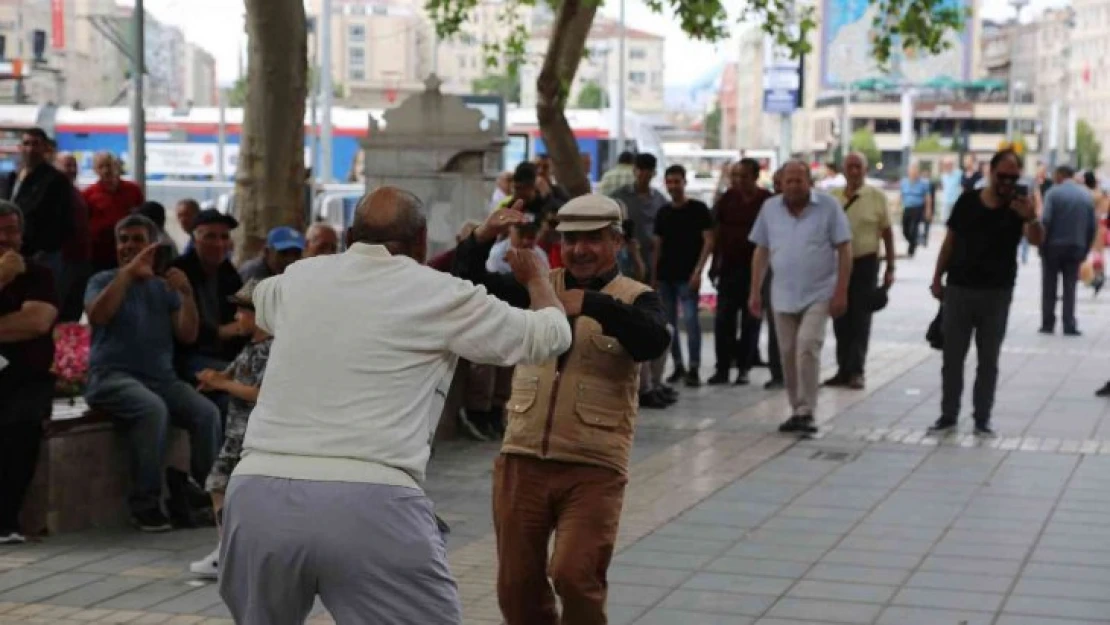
<point x="327" y="499"/>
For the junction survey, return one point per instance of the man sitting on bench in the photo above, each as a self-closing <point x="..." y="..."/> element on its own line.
<point x="136" y="312"/>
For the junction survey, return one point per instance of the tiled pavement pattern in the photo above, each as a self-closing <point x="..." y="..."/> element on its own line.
<point x="728" y="522"/>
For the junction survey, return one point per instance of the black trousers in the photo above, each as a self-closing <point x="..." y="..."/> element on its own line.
<point x="19" y="454"/>
<point x="1059" y="263"/>
<point x="911" y="226"/>
<point x="732" y="304"/>
<point x="853" y="329"/>
<point x="774" y="358"/>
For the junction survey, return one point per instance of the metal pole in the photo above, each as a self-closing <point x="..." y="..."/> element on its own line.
<point x="907" y="129"/>
<point x="846" y="124"/>
<point x="786" y="138"/>
<point x="314" y="97"/>
<point x="325" y="92"/>
<point x="1053" y="132"/>
<point x="621" y="82"/>
<point x="1017" y="4"/>
<point x="221" y="145"/>
<point x="138" y="113"/>
<point x="20" y="96"/>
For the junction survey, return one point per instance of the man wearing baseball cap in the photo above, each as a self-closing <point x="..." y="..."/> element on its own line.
<point x="284" y="246"/>
<point x="564" y="458"/>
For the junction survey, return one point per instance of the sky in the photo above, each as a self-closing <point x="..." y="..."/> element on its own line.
<point x="217" y="25"/>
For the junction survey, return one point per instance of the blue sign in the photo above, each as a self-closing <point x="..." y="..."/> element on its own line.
<point x="780" y="101"/>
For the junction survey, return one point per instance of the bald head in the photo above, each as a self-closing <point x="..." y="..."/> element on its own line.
<point x="391" y="217"/>
<point x="855" y="170"/>
<point x="320" y="240"/>
<point x="796" y="183"/>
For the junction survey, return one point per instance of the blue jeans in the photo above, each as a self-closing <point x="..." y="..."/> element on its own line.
<point x="146" y="409"/>
<point x="677" y="294"/>
<point x="193" y="364"/>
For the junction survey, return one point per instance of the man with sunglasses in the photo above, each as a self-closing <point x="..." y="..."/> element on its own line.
<point x="979" y="257"/>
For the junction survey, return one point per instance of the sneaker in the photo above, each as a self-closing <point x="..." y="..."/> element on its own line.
<point x="207" y="567"/>
<point x="11" y="537"/>
<point x="676" y="377"/>
<point x="984" y="430"/>
<point x="836" y="381"/>
<point x="693" y="380"/>
<point x="806" y="424"/>
<point x="721" y="377"/>
<point x="151" y="521"/>
<point x="1104" y="391"/>
<point x="943" y="426"/>
<point x="470" y="426"/>
<point x="742" y="379"/>
<point x="774" y="384"/>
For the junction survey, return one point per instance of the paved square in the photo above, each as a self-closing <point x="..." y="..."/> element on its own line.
<point x="727" y="522"/>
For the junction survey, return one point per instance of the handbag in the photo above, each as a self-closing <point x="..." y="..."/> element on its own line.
<point x="935" y="334"/>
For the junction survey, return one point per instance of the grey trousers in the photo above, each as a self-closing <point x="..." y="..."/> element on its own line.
<point x="982" y="313"/>
<point x="1059" y="263"/>
<point x="371" y="552"/>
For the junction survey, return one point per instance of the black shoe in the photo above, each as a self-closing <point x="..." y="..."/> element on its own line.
<point x="1046" y="330"/>
<point x="1104" y="391"/>
<point x="793" y="424"/>
<point x="186" y="502"/>
<point x="984" y="430"/>
<point x="151" y="521"/>
<point x="676" y="377"/>
<point x="759" y="362"/>
<point x="471" y="423"/>
<point x="774" y="384"/>
<point x="742" y="379"/>
<point x="652" y="399"/>
<point x="837" y="380"/>
<point x="693" y="380"/>
<point x="942" y="426"/>
<point x="667" y="392"/>
<point x="717" y="379"/>
<point x="806" y="425"/>
<point x="1073" y="332"/>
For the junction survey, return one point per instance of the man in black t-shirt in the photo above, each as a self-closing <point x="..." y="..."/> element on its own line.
<point x="979" y="256"/>
<point x="28" y="309"/>
<point x="684" y="237"/>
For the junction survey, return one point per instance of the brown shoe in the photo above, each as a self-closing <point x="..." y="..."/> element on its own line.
<point x="856" y="383"/>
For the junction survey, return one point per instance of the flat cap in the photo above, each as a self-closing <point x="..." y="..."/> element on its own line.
<point x="588" y="212"/>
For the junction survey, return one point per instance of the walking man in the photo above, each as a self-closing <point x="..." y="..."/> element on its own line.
<point x="869" y="218"/>
<point x="735" y="214"/>
<point x="979" y="259"/>
<point x="684" y="238"/>
<point x="1070" y="230"/>
<point x="805" y="238"/>
<point x="327" y="497"/>
<point x="564" y="462"/>
<point x="917" y="205"/>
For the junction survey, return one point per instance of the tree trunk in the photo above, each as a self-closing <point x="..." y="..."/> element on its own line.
<point x="568" y="40"/>
<point x="269" y="179"/>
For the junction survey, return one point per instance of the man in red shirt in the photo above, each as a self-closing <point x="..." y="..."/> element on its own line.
<point x="735" y="214"/>
<point x="109" y="199"/>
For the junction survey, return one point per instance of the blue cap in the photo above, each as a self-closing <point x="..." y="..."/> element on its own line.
<point x="284" y="238"/>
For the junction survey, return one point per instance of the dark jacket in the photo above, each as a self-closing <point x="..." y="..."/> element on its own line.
<point x="228" y="283"/>
<point x="46" y="199"/>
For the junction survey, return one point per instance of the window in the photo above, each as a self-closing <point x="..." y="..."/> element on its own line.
<point x="356" y="74"/>
<point x="637" y="78"/>
<point x="356" y="33"/>
<point x="637" y="53"/>
<point x="356" y="57"/>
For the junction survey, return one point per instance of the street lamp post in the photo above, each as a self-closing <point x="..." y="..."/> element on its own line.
<point x="621" y="82"/>
<point x="1010" y="118"/>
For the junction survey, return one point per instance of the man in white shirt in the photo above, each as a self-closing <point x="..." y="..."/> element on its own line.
<point x="327" y="498"/>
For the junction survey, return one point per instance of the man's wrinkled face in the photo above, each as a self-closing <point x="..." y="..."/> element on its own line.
<point x="11" y="234"/>
<point x="278" y="261"/>
<point x="131" y="241"/>
<point x="795" y="185"/>
<point x="854" y="171"/>
<point x="212" y="243"/>
<point x="676" y="186"/>
<point x="590" y="254"/>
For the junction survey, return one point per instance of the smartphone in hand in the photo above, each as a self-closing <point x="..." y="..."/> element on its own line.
<point x="163" y="258"/>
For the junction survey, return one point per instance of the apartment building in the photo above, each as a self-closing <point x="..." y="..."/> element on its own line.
<point x="1088" y="83"/>
<point x="743" y="122"/>
<point x="644" y="62"/>
<point x="200" y="76"/>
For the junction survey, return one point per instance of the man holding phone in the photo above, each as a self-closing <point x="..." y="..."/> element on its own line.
<point x="979" y="256"/>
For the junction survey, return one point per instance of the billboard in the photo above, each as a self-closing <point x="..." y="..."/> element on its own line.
<point x="846" y="34"/>
<point x="782" y="79"/>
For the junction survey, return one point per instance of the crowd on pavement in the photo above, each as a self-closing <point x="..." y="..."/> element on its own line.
<point x="557" y="313"/>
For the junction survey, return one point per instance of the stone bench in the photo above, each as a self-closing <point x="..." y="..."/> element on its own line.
<point x="83" y="475"/>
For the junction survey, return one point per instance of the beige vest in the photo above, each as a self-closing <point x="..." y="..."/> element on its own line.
<point x="584" y="411"/>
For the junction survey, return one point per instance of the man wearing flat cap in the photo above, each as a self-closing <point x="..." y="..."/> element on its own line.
<point x="564" y="459"/>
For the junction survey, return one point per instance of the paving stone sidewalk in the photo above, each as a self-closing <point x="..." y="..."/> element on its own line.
<point x="726" y="521"/>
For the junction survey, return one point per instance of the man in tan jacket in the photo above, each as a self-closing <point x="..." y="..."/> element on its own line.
<point x="564" y="460"/>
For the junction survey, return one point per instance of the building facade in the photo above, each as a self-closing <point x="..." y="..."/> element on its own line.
<point x="1088" y="65"/>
